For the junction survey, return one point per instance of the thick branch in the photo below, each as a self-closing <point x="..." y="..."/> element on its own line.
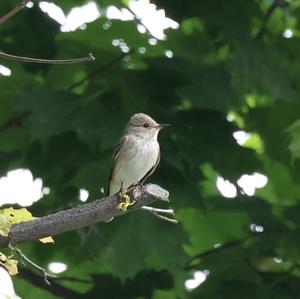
<point x="100" y="210"/>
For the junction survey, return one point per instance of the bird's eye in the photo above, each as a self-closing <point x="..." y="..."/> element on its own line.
<point x="145" y="125"/>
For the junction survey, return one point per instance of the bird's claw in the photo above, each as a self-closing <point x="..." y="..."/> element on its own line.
<point x="125" y="201"/>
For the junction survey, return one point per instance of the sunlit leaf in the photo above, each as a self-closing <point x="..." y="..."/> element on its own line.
<point x="5" y="225"/>
<point x="47" y="240"/>
<point x="17" y="215"/>
<point x="9" y="264"/>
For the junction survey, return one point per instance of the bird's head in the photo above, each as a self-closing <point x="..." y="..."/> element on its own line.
<point x="144" y="126"/>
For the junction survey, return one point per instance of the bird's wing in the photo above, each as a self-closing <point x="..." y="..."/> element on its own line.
<point x="115" y="156"/>
<point x="152" y="169"/>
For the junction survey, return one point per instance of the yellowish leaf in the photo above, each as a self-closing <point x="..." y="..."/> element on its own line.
<point x="2" y="257"/>
<point x="17" y="215"/>
<point x="5" y="225"/>
<point x="48" y="239"/>
<point x="11" y="216"/>
<point x="9" y="264"/>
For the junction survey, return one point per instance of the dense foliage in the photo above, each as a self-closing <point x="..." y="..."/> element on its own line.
<point x="232" y="69"/>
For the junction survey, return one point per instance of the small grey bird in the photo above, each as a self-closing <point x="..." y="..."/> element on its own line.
<point x="136" y="155"/>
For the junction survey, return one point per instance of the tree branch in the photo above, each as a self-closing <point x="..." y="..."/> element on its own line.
<point x="267" y="16"/>
<point x="157" y="213"/>
<point x="24" y="259"/>
<point x="13" y="11"/>
<point x="190" y="265"/>
<point x="139" y="20"/>
<point x="80" y="216"/>
<point x="90" y="57"/>
<point x="221" y="248"/>
<point x="100" y="69"/>
<point x="55" y="289"/>
<point x="15" y="121"/>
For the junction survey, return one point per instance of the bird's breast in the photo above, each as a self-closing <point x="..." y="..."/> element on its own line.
<point x="140" y="158"/>
<point x="134" y="161"/>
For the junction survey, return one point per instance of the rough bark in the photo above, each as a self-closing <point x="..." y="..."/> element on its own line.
<point x="80" y="216"/>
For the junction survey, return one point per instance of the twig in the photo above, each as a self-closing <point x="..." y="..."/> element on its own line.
<point x="165" y="218"/>
<point x="15" y="121"/>
<point x="229" y="245"/>
<point x="163" y="211"/>
<point x="267" y="16"/>
<point x="140" y="21"/>
<point x="156" y="212"/>
<point x="45" y="274"/>
<point x="224" y="247"/>
<point x="90" y="57"/>
<point x="100" y="69"/>
<point x="14" y="11"/>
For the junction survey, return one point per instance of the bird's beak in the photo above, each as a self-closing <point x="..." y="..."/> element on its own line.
<point x="163" y="125"/>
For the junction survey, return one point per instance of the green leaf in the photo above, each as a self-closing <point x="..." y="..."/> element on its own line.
<point x="133" y="246"/>
<point x="51" y="111"/>
<point x="208" y="229"/>
<point x="294" y="133"/>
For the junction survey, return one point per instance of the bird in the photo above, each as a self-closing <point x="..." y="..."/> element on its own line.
<point x="136" y="156"/>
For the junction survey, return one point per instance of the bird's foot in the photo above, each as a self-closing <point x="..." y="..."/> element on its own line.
<point x="126" y="201"/>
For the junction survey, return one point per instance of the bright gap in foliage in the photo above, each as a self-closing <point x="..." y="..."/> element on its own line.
<point x="30" y="4"/>
<point x="57" y="267"/>
<point x="155" y="20"/>
<point x="77" y="17"/>
<point x="248" y="184"/>
<point x="169" y="53"/>
<point x="19" y="187"/>
<point x="288" y="33"/>
<point x="7" y="290"/>
<point x="5" y="71"/>
<point x="150" y="17"/>
<point x="226" y="188"/>
<point x="241" y="137"/>
<point x="122" y="14"/>
<point x="121" y="44"/>
<point x="197" y="280"/>
<point x="278" y="260"/>
<point x="83" y="194"/>
<point x="248" y="140"/>
<point x="256" y="228"/>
